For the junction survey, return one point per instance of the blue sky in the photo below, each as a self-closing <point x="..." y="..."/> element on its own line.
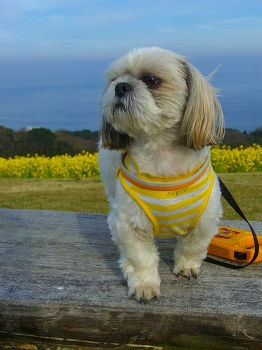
<point x="53" y="54"/>
<point x="108" y="28"/>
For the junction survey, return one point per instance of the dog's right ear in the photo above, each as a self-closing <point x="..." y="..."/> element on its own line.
<point x="113" y="139"/>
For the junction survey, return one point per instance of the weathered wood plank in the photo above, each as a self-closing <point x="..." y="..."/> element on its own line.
<point x="59" y="277"/>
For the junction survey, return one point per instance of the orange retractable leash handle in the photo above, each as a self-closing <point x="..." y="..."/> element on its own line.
<point x="229" y="198"/>
<point x="234" y="244"/>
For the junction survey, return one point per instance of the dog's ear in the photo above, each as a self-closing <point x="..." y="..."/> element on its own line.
<point x="113" y="139"/>
<point x="203" y="121"/>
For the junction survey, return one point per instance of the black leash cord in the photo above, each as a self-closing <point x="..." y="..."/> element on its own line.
<point x="231" y="201"/>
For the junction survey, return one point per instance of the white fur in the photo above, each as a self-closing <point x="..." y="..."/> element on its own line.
<point x="167" y="131"/>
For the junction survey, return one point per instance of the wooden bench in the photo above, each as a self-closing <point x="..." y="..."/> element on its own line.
<point x="59" y="279"/>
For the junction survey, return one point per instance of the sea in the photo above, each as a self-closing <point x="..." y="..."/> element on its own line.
<point x="66" y="94"/>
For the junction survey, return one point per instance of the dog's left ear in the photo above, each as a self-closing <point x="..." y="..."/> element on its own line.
<point x="113" y="139"/>
<point x="203" y="120"/>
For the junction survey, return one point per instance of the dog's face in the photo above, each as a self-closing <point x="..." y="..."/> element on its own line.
<point x="151" y="91"/>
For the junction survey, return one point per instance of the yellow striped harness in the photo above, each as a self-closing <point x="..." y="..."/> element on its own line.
<point x="173" y="205"/>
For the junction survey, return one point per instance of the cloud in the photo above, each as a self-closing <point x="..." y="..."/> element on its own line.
<point x="5" y="37"/>
<point x="238" y="23"/>
<point x="239" y="20"/>
<point x="107" y="27"/>
<point x="56" y="19"/>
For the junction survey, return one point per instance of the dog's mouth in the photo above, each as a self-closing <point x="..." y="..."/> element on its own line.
<point x="119" y="107"/>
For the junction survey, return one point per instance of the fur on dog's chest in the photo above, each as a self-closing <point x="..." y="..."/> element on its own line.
<point x="173" y="205"/>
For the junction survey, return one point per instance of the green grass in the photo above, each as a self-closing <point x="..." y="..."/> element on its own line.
<point x="83" y="195"/>
<point x="247" y="191"/>
<point x="87" y="195"/>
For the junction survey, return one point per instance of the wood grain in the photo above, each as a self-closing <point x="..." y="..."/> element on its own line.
<point x="60" y="278"/>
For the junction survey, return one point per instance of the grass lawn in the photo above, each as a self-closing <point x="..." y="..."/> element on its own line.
<point x="247" y="191"/>
<point x="83" y="195"/>
<point x="87" y="195"/>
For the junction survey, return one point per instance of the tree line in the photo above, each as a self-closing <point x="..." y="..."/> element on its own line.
<point x="45" y="142"/>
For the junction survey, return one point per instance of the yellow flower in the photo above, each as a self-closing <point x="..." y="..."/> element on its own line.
<point x="224" y="159"/>
<point x="239" y="159"/>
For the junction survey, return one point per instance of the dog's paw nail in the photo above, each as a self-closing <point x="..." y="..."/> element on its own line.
<point x="144" y="294"/>
<point x="194" y="272"/>
<point x="195" y="275"/>
<point x="187" y="273"/>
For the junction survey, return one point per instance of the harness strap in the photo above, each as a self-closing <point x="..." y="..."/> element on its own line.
<point x="231" y="201"/>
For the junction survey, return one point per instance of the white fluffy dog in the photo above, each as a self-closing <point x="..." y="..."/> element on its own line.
<point x="159" y="115"/>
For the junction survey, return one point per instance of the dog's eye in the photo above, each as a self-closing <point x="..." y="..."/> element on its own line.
<point x="151" y="82"/>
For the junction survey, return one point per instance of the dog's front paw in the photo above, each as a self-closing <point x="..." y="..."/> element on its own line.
<point x="188" y="273"/>
<point x="144" y="293"/>
<point x="187" y="268"/>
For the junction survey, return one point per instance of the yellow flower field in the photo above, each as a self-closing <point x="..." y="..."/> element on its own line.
<point x="224" y="160"/>
<point x="237" y="160"/>
<point x="82" y="165"/>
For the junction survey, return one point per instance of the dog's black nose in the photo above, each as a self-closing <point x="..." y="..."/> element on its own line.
<point x="122" y="88"/>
